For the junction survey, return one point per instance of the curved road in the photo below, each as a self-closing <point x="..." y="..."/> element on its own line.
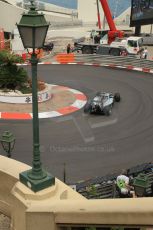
<point x="92" y="145"/>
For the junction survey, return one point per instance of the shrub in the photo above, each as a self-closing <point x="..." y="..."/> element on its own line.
<point x="11" y="75"/>
<point x="25" y="90"/>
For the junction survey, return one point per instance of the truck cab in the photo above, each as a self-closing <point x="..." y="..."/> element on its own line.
<point x="132" y="44"/>
<point x="99" y="36"/>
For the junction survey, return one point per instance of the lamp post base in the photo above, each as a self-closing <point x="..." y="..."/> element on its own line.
<point x="36" y="185"/>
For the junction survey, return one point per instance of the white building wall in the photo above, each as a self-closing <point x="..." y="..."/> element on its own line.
<point x="58" y="9"/>
<point x="124" y="19"/>
<point x="11" y="14"/>
<point x="87" y="11"/>
<point x="48" y="7"/>
<point x="16" y="43"/>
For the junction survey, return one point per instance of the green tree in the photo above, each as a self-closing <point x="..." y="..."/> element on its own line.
<point x="12" y="76"/>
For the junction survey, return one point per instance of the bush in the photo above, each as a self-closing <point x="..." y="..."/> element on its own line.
<point x="11" y="75"/>
<point x="25" y="90"/>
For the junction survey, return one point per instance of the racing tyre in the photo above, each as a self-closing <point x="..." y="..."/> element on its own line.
<point x="87" y="107"/>
<point x="87" y="50"/>
<point x="98" y="93"/>
<point x="107" y="110"/>
<point x="117" y="97"/>
<point x="115" y="52"/>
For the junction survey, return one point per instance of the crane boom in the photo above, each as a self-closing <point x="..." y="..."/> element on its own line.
<point x="108" y="15"/>
<point x="113" y="32"/>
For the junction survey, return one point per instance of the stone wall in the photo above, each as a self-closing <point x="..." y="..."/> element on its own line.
<point x="59" y="204"/>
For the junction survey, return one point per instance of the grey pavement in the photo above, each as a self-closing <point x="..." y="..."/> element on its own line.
<point x="92" y="145"/>
<point x="150" y="52"/>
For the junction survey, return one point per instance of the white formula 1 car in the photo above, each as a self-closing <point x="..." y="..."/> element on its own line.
<point x="102" y="103"/>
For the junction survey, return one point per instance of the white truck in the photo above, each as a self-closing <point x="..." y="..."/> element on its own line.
<point x="132" y="45"/>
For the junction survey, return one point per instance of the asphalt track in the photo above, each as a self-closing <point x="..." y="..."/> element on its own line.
<point x="92" y="145"/>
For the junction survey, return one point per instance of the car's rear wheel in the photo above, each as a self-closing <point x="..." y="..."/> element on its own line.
<point x="117" y="97"/>
<point x="114" y="52"/>
<point x="87" y="50"/>
<point x="87" y="107"/>
<point x="107" y="110"/>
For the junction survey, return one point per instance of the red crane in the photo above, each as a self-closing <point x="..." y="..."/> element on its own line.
<point x="113" y="32"/>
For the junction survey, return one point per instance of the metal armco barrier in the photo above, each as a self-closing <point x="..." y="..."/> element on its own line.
<point x="114" y="60"/>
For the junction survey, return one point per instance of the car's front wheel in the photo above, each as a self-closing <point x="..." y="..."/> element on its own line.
<point x="107" y="110"/>
<point x="87" y="107"/>
<point x="114" y="52"/>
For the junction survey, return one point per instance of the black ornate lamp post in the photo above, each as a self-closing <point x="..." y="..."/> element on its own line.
<point x="33" y="30"/>
<point x="8" y="142"/>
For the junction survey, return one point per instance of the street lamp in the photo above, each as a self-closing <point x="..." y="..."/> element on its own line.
<point x="8" y="142"/>
<point x="33" y="30"/>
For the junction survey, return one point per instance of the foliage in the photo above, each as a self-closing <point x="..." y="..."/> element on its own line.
<point x="90" y="228"/>
<point x="11" y="75"/>
<point x="9" y="58"/>
<point x="25" y="90"/>
<point x="92" y="190"/>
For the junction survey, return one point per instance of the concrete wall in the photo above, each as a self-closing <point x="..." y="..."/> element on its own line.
<point x="59" y="204"/>
<point x="87" y="11"/>
<point x="47" y="7"/>
<point x="11" y="14"/>
<point x="57" y="9"/>
<point x="16" y="199"/>
<point x="124" y="19"/>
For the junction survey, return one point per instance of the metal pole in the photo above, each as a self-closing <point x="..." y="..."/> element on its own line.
<point x="64" y="173"/>
<point x="37" y="172"/>
<point x="98" y="14"/>
<point x="104" y="22"/>
<point x="151" y="29"/>
<point x="9" y="151"/>
<point x="36" y="178"/>
<point x="137" y="30"/>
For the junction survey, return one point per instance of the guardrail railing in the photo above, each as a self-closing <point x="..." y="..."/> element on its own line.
<point x="115" y="60"/>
